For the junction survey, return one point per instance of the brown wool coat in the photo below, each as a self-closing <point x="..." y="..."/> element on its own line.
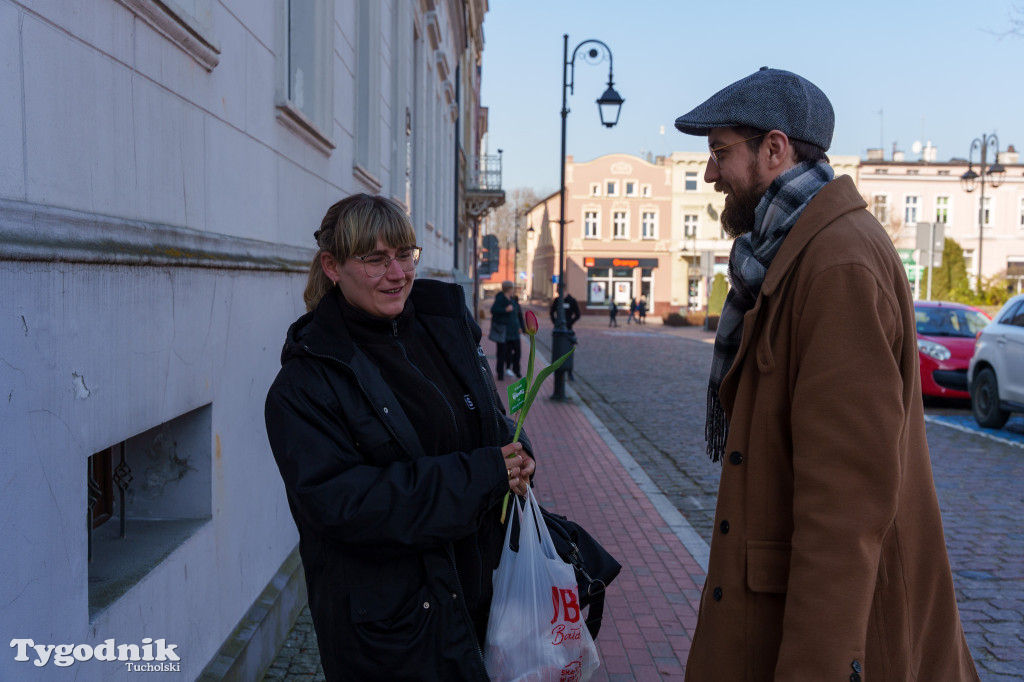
<point x="828" y="562"/>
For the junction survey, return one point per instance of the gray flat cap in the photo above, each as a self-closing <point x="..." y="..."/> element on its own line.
<point x="768" y="99"/>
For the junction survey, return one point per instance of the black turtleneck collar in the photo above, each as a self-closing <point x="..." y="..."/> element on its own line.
<point x="364" y="327"/>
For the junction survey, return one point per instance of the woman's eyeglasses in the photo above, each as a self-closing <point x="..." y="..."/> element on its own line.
<point x="376" y="264"/>
<point x="714" y="150"/>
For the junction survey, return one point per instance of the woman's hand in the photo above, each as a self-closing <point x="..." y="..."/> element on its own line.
<point x="520" y="467"/>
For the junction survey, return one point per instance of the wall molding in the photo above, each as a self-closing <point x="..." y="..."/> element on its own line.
<point x="175" y="24"/>
<point x="35" y="232"/>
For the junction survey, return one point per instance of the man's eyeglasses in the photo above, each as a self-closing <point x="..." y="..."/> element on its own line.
<point x="376" y="264"/>
<point x="714" y="150"/>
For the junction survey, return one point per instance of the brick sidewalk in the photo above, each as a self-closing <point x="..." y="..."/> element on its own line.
<point x="585" y="474"/>
<point x="651" y="608"/>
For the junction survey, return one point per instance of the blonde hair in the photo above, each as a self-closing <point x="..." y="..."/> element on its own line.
<point x="352" y="227"/>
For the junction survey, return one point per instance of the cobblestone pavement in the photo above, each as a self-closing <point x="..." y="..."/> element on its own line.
<point x="648" y="385"/>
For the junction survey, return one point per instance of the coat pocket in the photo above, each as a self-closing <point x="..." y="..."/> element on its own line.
<point x="768" y="566"/>
<point x="394" y="622"/>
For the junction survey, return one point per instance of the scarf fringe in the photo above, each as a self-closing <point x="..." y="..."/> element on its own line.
<point x="716" y="428"/>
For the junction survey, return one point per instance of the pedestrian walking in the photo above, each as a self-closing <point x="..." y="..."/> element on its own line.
<point x="394" y="455"/>
<point x="513" y="339"/>
<point x="503" y="313"/>
<point x="632" y="312"/>
<point x="613" y="311"/>
<point x="828" y="560"/>
<point x="641" y="310"/>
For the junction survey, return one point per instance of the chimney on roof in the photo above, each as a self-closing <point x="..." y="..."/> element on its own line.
<point x="1009" y="156"/>
<point x="876" y="155"/>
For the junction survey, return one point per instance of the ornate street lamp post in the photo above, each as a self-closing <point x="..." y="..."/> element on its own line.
<point x="994" y="174"/>
<point x="609" y="106"/>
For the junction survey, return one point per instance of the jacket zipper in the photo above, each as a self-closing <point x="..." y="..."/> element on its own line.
<point x="465" y="610"/>
<point x="444" y="398"/>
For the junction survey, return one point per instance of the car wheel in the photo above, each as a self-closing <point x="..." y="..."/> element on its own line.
<point x="985" y="401"/>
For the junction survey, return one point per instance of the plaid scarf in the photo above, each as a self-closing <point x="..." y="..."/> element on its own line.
<point x="751" y="255"/>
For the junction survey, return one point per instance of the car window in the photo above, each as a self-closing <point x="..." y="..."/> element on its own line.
<point x="1010" y="313"/>
<point x="949" y="322"/>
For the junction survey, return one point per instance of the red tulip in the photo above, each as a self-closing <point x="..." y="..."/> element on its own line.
<point x="531" y="322"/>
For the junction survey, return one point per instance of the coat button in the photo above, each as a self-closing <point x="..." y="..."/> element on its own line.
<point x="724" y="527"/>
<point x="735" y="458"/>
<point x="717" y="594"/>
<point x="856" y="666"/>
<point x="385" y="410"/>
<point x="426" y="605"/>
<point x="854" y="677"/>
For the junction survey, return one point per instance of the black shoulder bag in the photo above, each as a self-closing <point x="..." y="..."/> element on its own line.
<point x="595" y="567"/>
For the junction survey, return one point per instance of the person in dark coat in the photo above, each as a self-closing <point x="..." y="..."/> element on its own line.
<point x="513" y="339"/>
<point x="632" y="311"/>
<point x="613" y="311"/>
<point x="572" y="310"/>
<point x="505" y="311"/>
<point x="641" y="310"/>
<point x="395" y="454"/>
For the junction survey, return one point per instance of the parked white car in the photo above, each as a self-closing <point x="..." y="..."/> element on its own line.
<point x="995" y="376"/>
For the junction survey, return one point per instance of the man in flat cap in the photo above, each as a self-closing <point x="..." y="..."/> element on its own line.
<point x="828" y="561"/>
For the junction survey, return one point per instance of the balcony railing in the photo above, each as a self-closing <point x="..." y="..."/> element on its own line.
<point x="484" y="173"/>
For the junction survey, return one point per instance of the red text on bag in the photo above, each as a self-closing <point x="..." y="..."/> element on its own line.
<point x="565" y="600"/>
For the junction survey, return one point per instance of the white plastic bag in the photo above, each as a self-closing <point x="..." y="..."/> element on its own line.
<point x="536" y="631"/>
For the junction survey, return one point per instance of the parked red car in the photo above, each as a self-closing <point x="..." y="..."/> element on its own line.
<point x="945" y="342"/>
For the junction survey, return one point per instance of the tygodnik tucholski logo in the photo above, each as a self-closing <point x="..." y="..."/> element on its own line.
<point x="150" y="656"/>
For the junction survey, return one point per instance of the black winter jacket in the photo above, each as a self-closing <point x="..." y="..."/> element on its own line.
<point x="377" y="516"/>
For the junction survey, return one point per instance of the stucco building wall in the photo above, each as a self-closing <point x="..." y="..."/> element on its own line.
<point x="161" y="176"/>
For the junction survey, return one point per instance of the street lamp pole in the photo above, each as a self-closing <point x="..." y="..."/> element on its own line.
<point x="610" y="102"/>
<point x="994" y="174"/>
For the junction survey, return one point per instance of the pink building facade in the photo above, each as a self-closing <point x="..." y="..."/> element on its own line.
<point x="618" y="235"/>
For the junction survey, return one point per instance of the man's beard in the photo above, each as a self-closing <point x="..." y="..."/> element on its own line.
<point x="741" y="203"/>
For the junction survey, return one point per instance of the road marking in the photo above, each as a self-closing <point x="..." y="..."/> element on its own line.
<point x="968" y="425"/>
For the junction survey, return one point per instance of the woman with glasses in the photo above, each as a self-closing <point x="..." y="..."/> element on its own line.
<point x="395" y="454"/>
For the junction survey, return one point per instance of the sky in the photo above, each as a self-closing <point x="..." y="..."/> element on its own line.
<point x="896" y="71"/>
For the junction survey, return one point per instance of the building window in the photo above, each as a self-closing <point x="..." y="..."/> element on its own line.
<point x="145" y="496"/>
<point x="690" y="225"/>
<point x="648" y="225"/>
<point x="943" y="172"/>
<point x="986" y="212"/>
<point x="910" y="210"/>
<point x="612" y="188"/>
<point x="969" y="260"/>
<point x="913" y="171"/>
<point x="590" y="225"/>
<point x="306" y="74"/>
<point x="880" y="208"/>
<point x="645" y="190"/>
<point x="620" y="229"/>
<point x="1020" y="214"/>
<point x="942" y="209"/>
<point x="691" y="181"/>
<point x="368" y="92"/>
<point x="630" y="189"/>
<point x="595" y="189"/>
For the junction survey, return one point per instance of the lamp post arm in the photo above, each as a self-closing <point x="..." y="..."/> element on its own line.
<point x="571" y="63"/>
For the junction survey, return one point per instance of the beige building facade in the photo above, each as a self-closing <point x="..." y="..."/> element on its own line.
<point x="637" y="227"/>
<point x="903" y="193"/>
